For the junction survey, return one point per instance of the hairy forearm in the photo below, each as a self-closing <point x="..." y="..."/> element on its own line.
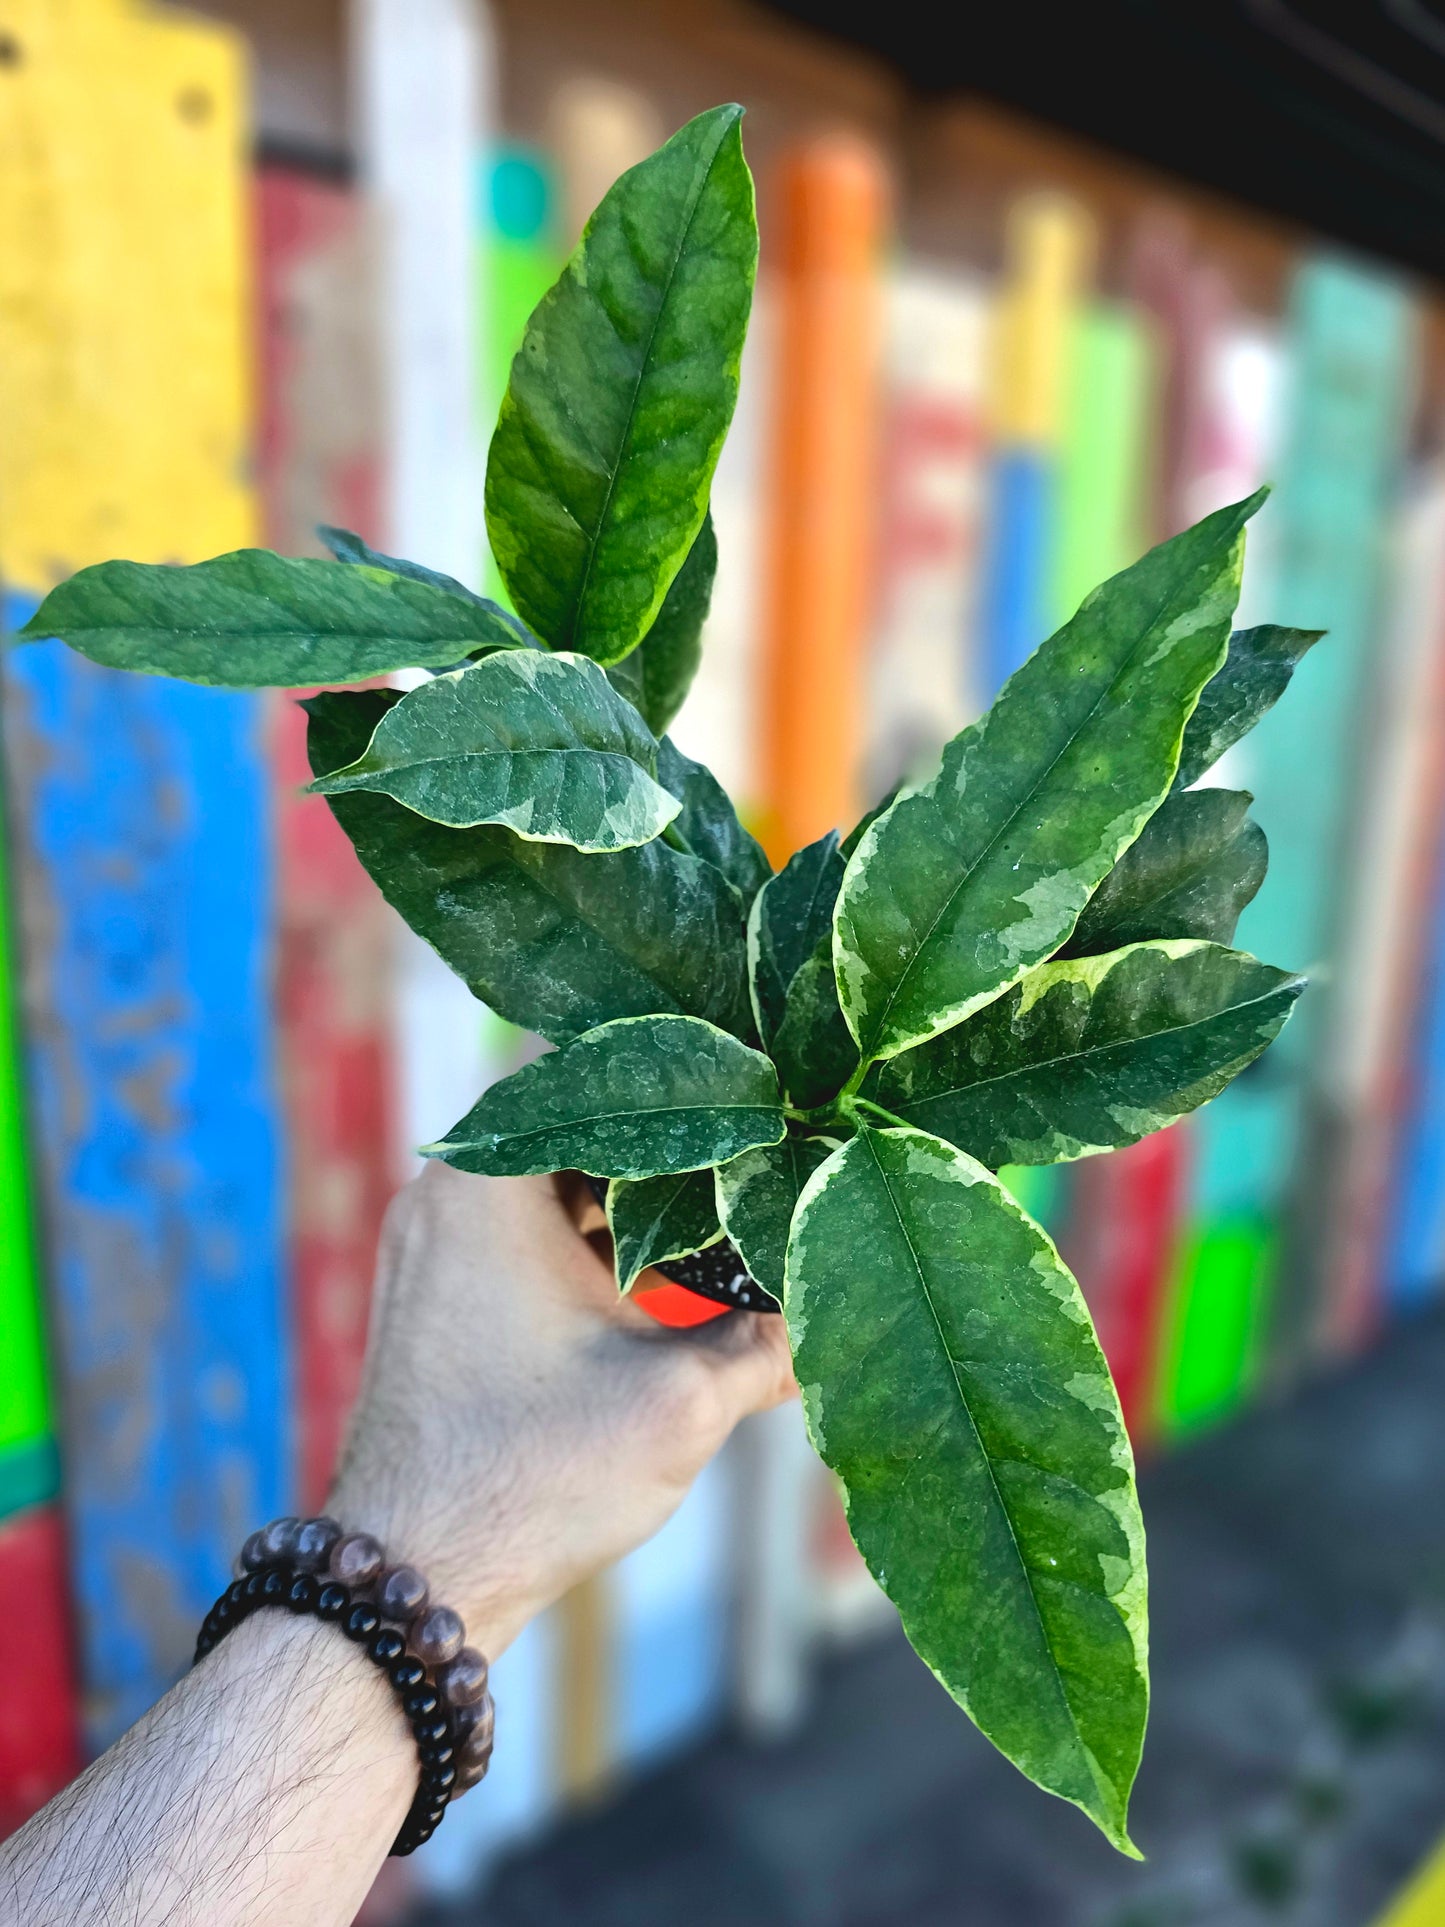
<point x="266" y="1786"/>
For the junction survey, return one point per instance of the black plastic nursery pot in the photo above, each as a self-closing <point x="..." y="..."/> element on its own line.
<point x="717" y="1274"/>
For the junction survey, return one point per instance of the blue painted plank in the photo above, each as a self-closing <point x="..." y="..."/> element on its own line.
<point x="147" y="891"/>
<point x="1014" y="596"/>
<point x="1415" y="1262"/>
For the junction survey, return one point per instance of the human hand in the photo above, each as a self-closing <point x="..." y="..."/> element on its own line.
<point x="519" y="1425"/>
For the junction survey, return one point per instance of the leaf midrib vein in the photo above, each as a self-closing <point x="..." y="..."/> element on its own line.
<point x="983" y="1453"/>
<point x="1013" y="817"/>
<point x="594" y="537"/>
<point x="1102" y="1050"/>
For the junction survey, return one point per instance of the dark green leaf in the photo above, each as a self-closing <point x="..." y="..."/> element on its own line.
<point x="554" y="941"/>
<point x="757" y="1194"/>
<point x="540" y="744"/>
<point x="709" y="824"/>
<point x="654" y="1219"/>
<point x="952" y="1380"/>
<point x="1254" y="676"/>
<point x="1090" y="1054"/>
<point x="791" y="916"/>
<point x="969" y="880"/>
<point x="503" y="630"/>
<point x="629" y="1100"/>
<point x="814" y="1048"/>
<point x="621" y="395"/>
<point x="253" y="619"/>
<point x="658" y="674"/>
<point x="1190" y="872"/>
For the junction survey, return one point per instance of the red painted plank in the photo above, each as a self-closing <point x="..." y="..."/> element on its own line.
<point x="39" y="1735"/>
<point x="318" y="462"/>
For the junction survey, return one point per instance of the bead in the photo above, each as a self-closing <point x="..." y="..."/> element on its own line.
<point x="301" y="1593"/>
<point x="253" y="1553"/>
<point x="437" y="1635"/>
<point x="332" y="1600"/>
<point x="431" y="1726"/>
<point x="362" y="1621"/>
<point x="420" y="1703"/>
<point x="386" y="1646"/>
<point x="356" y="1559"/>
<point x="436" y="1753"/>
<point x="252" y="1591"/>
<point x="204" y="1645"/>
<point x="478" y="1743"/>
<point x="236" y="1591"/>
<point x="273" y="1583"/>
<point x="441" y="1779"/>
<point x="464" y="1718"/>
<point x="278" y="1540"/>
<point x="401" y="1594"/>
<point x="407" y="1673"/>
<point x="221" y="1613"/>
<point x="464" y="1679"/>
<point x="470" y="1773"/>
<point x="314" y="1542"/>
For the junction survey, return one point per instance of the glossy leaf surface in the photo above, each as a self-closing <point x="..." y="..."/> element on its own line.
<point x="629" y="1100"/>
<point x="793" y="914"/>
<point x="553" y="940"/>
<point x="952" y="1380"/>
<point x="709" y="824"/>
<point x="503" y="630"/>
<point x="1090" y="1054"/>
<point x="1193" y="867"/>
<point x="814" y="1048"/>
<point x="654" y="1219"/>
<point x="252" y="619"/>
<point x="621" y="395"/>
<point x="757" y="1195"/>
<point x="971" y="879"/>
<point x="657" y="675"/>
<point x="1254" y="676"/>
<point x="541" y="744"/>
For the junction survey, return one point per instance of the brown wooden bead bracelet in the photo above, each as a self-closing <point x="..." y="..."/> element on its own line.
<point x="312" y="1566"/>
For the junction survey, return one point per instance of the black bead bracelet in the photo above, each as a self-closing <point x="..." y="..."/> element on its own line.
<point x="440" y="1684"/>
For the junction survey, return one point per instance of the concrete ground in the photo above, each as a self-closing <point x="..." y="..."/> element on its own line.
<point x="1295" y="1769"/>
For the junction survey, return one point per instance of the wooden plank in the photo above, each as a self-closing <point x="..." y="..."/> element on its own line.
<point x="24" y="1390"/>
<point x="39" y="1735"/>
<point x="1049" y="249"/>
<point x="824" y="258"/>
<point x="1351" y="345"/>
<point x="144" y="809"/>
<point x="319" y="462"/>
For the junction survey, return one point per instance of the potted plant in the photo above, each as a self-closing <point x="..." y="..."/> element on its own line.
<point x="798" y="1087"/>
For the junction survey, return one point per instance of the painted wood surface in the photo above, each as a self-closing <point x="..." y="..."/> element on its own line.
<point x="1049" y="247"/>
<point x="143" y="818"/>
<point x="1249" y="1291"/>
<point x="824" y="259"/>
<point x="28" y="1464"/>
<point x="39" y="1733"/>
<point x="319" y="462"/>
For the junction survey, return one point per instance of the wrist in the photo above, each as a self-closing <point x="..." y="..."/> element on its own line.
<point x="466" y="1567"/>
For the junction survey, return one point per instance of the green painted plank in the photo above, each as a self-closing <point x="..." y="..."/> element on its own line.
<point x="29" y="1475"/>
<point x="1102" y="463"/>
<point x="1212" y="1350"/>
<point x="24" y="1396"/>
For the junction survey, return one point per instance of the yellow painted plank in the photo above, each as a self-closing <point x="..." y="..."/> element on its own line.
<point x="124" y="373"/>
<point x="1423" y="1902"/>
<point x="1050" y="249"/>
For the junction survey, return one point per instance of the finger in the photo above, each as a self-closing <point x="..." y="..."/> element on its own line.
<point x="749" y="1357"/>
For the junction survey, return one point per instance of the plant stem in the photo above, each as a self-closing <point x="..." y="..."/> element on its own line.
<point x="867" y="1104"/>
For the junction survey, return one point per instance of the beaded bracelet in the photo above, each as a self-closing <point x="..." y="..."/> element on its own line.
<point x="310" y="1566"/>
